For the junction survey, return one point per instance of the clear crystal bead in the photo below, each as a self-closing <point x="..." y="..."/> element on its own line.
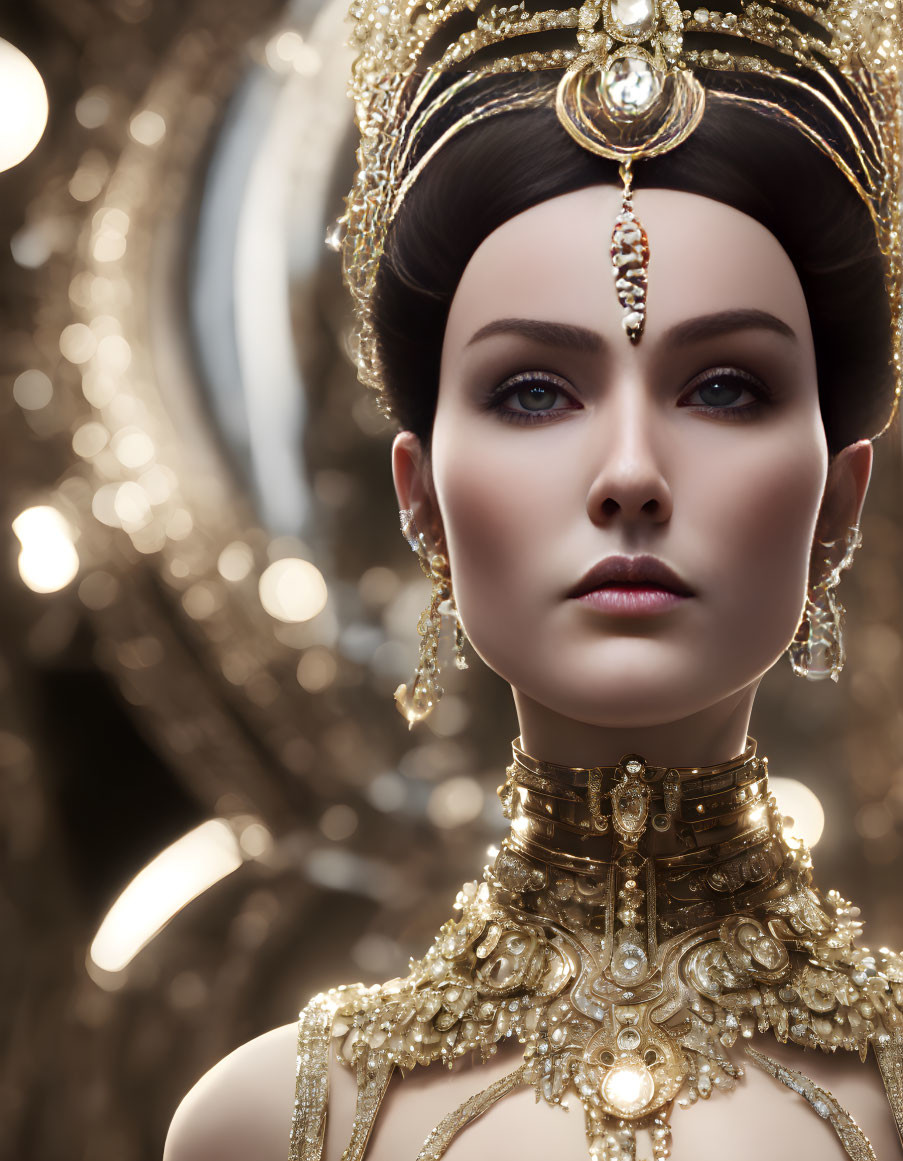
<point x="628" y="1039"/>
<point x="335" y="236"/>
<point x="628" y="963"/>
<point x="635" y="17"/>
<point x="629" y="86"/>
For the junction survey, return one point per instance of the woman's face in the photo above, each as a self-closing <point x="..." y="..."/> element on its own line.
<point x="629" y="525"/>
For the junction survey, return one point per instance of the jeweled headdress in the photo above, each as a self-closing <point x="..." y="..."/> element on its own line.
<point x="635" y="78"/>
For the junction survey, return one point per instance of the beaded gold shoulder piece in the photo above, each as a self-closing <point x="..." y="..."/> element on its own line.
<point x="628" y="974"/>
<point x="630" y="80"/>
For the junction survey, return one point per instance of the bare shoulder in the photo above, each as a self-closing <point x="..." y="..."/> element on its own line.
<point x="241" y="1110"/>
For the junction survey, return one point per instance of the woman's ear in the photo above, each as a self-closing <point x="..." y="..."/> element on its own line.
<point x="413" y="478"/>
<point x="845" y="489"/>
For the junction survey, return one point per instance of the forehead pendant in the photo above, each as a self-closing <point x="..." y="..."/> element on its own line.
<point x="626" y="98"/>
<point x="630" y="261"/>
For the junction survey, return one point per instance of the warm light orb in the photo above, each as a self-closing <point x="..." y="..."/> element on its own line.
<point x="180" y="873"/>
<point x="235" y="561"/>
<point x="455" y="802"/>
<point x="23" y="106"/>
<point x="292" y="590"/>
<point x="628" y="1087"/>
<point x="48" y="560"/>
<point x="801" y="804"/>
<point x="147" y="127"/>
<point x="32" y="390"/>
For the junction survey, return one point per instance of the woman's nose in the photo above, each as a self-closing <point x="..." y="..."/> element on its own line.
<point x="631" y="482"/>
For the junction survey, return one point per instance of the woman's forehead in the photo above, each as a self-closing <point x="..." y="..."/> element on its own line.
<point x="553" y="262"/>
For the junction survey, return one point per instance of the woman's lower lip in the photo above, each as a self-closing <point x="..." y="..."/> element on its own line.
<point x="631" y="600"/>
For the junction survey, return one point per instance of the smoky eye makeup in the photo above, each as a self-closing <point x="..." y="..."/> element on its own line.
<point x="727" y="393"/>
<point x="532" y="397"/>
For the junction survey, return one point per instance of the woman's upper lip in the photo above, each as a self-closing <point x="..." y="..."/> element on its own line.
<point x="634" y="572"/>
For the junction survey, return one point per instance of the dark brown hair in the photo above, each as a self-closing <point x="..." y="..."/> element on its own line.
<point x="753" y="162"/>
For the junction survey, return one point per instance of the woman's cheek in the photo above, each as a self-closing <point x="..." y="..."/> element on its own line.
<point x="495" y="503"/>
<point x="493" y="528"/>
<point x="762" y="556"/>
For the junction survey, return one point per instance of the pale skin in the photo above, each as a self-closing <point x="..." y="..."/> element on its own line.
<point x="630" y="450"/>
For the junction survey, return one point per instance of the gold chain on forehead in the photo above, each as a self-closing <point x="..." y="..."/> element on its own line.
<point x="629" y="90"/>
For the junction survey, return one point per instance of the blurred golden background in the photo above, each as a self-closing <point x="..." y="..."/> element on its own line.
<point x="208" y="805"/>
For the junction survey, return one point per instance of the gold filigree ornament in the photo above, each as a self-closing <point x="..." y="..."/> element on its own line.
<point x="629" y="79"/>
<point x="418" y="702"/>
<point x="581" y="946"/>
<point x="624" y="106"/>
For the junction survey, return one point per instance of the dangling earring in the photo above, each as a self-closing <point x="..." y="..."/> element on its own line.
<point x="817" y="649"/>
<point x="426" y="691"/>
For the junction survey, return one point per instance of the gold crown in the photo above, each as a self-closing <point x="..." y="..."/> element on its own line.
<point x="629" y="90"/>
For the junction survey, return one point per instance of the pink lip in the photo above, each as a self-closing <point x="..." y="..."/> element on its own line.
<point x="631" y="586"/>
<point x="631" y="600"/>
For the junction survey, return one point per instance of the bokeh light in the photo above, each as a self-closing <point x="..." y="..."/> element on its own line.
<point x="147" y="127"/>
<point x="23" y="106"/>
<point x="455" y="802"/>
<point x="797" y="802"/>
<point x="32" y="390"/>
<point x="235" y="561"/>
<point x="93" y="107"/>
<point x="292" y="590"/>
<point x="48" y="560"/>
<point x="317" y="669"/>
<point x="288" y="50"/>
<point x="180" y="873"/>
<point x="338" y="822"/>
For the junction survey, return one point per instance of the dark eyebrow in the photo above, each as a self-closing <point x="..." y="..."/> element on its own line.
<point x="549" y="333"/>
<point x="707" y="326"/>
<point x="710" y="326"/>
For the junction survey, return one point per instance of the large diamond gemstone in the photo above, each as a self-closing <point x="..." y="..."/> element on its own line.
<point x="628" y="963"/>
<point x="628" y="1088"/>
<point x="634" y="17"/>
<point x="629" y="86"/>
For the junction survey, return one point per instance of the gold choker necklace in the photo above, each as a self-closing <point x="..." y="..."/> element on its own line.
<point x="636" y="922"/>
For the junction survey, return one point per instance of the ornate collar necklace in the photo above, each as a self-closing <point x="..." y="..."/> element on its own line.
<point x="636" y="922"/>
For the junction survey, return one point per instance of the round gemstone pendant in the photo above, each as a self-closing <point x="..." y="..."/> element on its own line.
<point x="629" y="87"/>
<point x="628" y="1087"/>
<point x="628" y="963"/>
<point x="623" y="107"/>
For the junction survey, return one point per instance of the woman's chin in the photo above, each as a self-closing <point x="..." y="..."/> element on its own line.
<point x="635" y="698"/>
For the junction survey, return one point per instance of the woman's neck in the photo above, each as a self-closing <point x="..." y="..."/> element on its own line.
<point x="682" y="846"/>
<point x="709" y="736"/>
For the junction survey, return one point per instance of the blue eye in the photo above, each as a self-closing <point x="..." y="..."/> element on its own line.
<point x="539" y="397"/>
<point x="724" y="390"/>
<point x="721" y="394"/>
<point x="531" y="396"/>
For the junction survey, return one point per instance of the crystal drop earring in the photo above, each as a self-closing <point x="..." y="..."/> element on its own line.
<point x="816" y="650"/>
<point x="418" y="702"/>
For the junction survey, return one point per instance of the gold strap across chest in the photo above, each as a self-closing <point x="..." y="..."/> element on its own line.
<point x="890" y="1062"/>
<point x="312" y="1096"/>
<point x="856" y="1144"/>
<point x="311" y="1081"/>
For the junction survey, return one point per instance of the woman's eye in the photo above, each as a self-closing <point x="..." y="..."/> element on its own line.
<point x="529" y="397"/>
<point x="539" y="397"/>
<point x="724" y="391"/>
